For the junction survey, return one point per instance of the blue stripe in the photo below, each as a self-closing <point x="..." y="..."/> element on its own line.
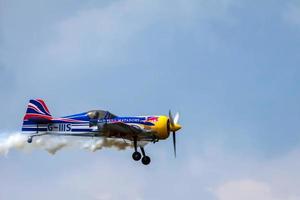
<point x="29" y="123"/>
<point x="76" y="115"/>
<point x="81" y="116"/>
<point x="39" y="105"/>
<point x="126" y="120"/>
<point x="81" y="130"/>
<point x="34" y="129"/>
<point x="46" y="130"/>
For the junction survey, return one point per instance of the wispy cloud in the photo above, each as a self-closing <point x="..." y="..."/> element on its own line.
<point x="292" y="13"/>
<point x="267" y="180"/>
<point x="97" y="35"/>
<point x="244" y="189"/>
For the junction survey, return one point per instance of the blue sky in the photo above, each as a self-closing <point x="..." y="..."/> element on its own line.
<point x="231" y="68"/>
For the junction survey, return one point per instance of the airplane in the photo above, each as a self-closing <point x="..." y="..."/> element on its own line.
<point x="100" y="123"/>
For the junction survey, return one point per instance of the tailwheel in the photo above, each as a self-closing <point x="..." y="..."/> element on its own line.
<point x="136" y="156"/>
<point x="146" y="160"/>
<point x="29" y="140"/>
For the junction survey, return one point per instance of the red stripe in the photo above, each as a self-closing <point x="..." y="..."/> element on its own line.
<point x="38" y="116"/>
<point x="68" y="120"/>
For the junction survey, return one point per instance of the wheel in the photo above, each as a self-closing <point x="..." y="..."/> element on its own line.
<point x="29" y="140"/>
<point x="146" y="160"/>
<point x="136" y="156"/>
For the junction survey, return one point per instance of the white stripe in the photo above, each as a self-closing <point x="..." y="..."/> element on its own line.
<point x="38" y="110"/>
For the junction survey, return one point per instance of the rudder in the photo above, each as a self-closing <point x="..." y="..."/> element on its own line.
<point x="37" y="113"/>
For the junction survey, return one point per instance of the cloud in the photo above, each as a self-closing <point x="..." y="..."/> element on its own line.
<point x="244" y="189"/>
<point x="103" y="181"/>
<point x="97" y="36"/>
<point x="276" y="179"/>
<point x="91" y="51"/>
<point x="292" y="13"/>
<point x="249" y="190"/>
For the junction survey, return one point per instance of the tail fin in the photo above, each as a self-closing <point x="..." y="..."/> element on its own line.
<point x="37" y="111"/>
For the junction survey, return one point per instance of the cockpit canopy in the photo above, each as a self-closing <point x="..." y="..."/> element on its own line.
<point x="100" y="114"/>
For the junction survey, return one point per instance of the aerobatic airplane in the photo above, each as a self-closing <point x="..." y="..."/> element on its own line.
<point x="99" y="123"/>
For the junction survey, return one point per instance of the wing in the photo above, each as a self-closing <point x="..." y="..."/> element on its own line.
<point x="122" y="130"/>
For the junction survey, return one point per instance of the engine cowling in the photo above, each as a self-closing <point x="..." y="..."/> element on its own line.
<point x="162" y="127"/>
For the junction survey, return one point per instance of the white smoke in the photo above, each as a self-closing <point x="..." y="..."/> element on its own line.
<point x="52" y="144"/>
<point x="15" y="140"/>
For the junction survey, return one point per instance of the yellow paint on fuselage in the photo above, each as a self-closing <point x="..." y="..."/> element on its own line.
<point x="161" y="127"/>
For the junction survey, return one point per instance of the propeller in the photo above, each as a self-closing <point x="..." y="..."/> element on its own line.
<point x="174" y="126"/>
<point x="174" y="143"/>
<point x="176" y="118"/>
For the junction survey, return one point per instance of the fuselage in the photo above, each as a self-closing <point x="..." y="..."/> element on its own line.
<point x="93" y="123"/>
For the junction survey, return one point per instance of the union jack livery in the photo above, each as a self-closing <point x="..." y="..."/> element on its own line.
<point x="38" y="122"/>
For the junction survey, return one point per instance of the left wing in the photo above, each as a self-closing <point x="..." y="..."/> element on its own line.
<point x="122" y="130"/>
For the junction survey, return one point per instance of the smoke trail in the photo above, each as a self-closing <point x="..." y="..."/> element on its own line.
<point x="15" y="140"/>
<point x="52" y="144"/>
<point x="94" y="145"/>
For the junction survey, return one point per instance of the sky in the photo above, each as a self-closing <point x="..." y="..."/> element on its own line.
<point x="231" y="68"/>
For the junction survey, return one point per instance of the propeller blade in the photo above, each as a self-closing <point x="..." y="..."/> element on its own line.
<point x="171" y="118"/>
<point x="176" y="118"/>
<point x="174" y="143"/>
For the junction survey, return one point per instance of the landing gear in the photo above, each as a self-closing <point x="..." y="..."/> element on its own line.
<point x="137" y="155"/>
<point x="146" y="159"/>
<point x="29" y="140"/>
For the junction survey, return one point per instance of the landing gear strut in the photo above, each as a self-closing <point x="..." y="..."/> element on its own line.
<point x="137" y="155"/>
<point x="30" y="138"/>
<point x="146" y="159"/>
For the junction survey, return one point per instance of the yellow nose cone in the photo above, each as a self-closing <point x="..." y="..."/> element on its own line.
<point x="176" y="127"/>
